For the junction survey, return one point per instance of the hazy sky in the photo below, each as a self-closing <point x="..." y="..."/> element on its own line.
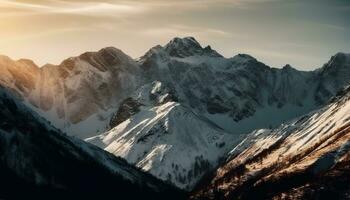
<point x="303" y="33"/>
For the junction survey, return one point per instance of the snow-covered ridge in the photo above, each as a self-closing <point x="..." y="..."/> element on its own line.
<point x="79" y="95"/>
<point x="188" y="46"/>
<point x="37" y="160"/>
<point x="304" y="152"/>
<point x="237" y="93"/>
<point x="167" y="139"/>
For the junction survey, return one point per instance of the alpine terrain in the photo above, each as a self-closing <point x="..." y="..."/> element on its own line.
<point x="306" y="158"/>
<point x="39" y="162"/>
<point x="182" y="110"/>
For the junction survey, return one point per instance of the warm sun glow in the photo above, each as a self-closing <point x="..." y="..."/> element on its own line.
<point x="275" y="31"/>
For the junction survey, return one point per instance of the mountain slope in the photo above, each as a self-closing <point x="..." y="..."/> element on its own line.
<point x="37" y="161"/>
<point x="165" y="138"/>
<point x="308" y="158"/>
<point x="78" y="95"/>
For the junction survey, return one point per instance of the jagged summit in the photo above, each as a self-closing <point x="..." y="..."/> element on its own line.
<point x="177" y="48"/>
<point x="4" y="58"/>
<point x="180" y="43"/>
<point x="181" y="48"/>
<point x="188" y="46"/>
<point x="341" y="55"/>
<point x="9" y="62"/>
<point x="102" y="59"/>
<point x="27" y="62"/>
<point x="288" y="67"/>
<point x="243" y="58"/>
<point x="338" y="60"/>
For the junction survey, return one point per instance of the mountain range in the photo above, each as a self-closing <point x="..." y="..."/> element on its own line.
<point x="219" y="127"/>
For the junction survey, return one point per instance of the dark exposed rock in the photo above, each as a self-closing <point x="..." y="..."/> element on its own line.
<point x="127" y="108"/>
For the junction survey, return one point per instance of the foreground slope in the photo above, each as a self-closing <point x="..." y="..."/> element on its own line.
<point x="165" y="138"/>
<point x="37" y="161"/>
<point x="308" y="158"/>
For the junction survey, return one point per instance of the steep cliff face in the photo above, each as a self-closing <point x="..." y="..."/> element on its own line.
<point x="307" y="158"/>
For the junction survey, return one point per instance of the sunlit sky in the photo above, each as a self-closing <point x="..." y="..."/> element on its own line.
<point x="303" y="33"/>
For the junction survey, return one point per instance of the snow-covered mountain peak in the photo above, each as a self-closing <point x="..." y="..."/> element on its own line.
<point x="83" y="88"/>
<point x="341" y="56"/>
<point x="188" y="46"/>
<point x="155" y="54"/>
<point x="7" y="62"/>
<point x="27" y="62"/>
<point x="4" y="58"/>
<point x="288" y="67"/>
<point x="337" y="62"/>
<point x="183" y="42"/>
<point x="112" y="51"/>
<point x="241" y="59"/>
<point x="105" y="58"/>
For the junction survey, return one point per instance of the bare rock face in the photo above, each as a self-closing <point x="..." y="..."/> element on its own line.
<point x="128" y="108"/>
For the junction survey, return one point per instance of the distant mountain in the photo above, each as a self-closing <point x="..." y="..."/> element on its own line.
<point x="39" y="162"/>
<point x="240" y="93"/>
<point x="307" y="158"/>
<point x="78" y="95"/>
<point x="93" y="97"/>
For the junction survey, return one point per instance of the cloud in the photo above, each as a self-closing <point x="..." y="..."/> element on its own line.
<point x="42" y="34"/>
<point x="115" y="7"/>
<point x="77" y="8"/>
<point x="182" y="30"/>
<point x="21" y="5"/>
